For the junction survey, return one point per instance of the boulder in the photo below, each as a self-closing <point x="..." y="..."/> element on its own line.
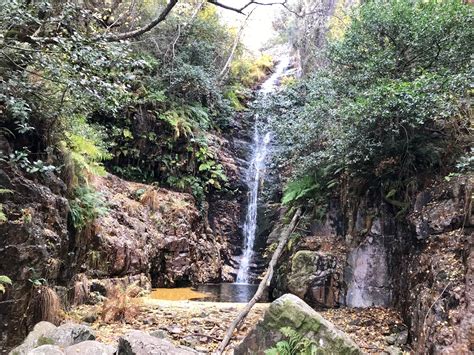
<point x="34" y="338"/>
<point x="69" y="334"/>
<point x="290" y="311"/>
<point x="46" y="350"/>
<point x="90" y="347"/>
<point x="311" y="277"/>
<point x="140" y="343"/>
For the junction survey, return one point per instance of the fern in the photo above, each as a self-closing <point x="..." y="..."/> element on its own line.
<point x="294" y="344"/>
<point x="179" y="122"/>
<point x="298" y="189"/>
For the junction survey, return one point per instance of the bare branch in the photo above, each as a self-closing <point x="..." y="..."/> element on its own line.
<point x="144" y="29"/>
<point x="252" y="2"/>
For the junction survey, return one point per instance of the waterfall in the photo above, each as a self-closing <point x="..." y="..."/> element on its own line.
<point x="254" y="175"/>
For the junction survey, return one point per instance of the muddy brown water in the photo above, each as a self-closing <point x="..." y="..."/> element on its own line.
<point x="223" y="292"/>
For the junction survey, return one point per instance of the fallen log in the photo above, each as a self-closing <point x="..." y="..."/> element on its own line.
<point x="263" y="284"/>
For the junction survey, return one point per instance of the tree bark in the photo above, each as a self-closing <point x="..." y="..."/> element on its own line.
<point x="263" y="284"/>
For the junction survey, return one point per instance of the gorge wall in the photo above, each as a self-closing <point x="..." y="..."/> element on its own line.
<point x="153" y="236"/>
<point x="365" y="253"/>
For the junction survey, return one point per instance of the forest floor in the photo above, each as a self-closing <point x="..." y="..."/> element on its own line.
<point x="201" y="325"/>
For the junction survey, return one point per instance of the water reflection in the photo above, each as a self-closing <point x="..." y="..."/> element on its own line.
<point x="230" y="292"/>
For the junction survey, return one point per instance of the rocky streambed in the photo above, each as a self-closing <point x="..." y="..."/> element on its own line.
<point x="184" y="327"/>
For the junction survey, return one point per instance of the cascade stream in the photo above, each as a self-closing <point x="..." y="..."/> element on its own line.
<point x="255" y="174"/>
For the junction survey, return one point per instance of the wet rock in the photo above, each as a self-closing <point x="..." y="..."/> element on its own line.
<point x="70" y="334"/>
<point x="90" y="347"/>
<point x="39" y="331"/>
<point x="47" y="350"/>
<point x="140" y="343"/>
<point x="291" y="311"/>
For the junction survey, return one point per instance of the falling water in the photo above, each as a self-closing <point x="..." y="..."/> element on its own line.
<point x="254" y="175"/>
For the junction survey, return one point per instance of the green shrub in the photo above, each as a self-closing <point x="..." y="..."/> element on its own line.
<point x="392" y="106"/>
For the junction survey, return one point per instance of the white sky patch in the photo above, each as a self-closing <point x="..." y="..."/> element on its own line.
<point x="259" y="27"/>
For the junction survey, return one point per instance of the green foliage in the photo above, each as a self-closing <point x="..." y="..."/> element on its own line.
<point x="298" y="189"/>
<point x="86" y="206"/>
<point x="251" y="71"/>
<point x="392" y="105"/>
<point x="4" y="280"/>
<point x="3" y="217"/>
<point x="294" y="344"/>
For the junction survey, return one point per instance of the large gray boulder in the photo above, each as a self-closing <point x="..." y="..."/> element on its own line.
<point x="34" y="339"/>
<point x="69" y="334"/>
<point x="90" y="347"/>
<point x="140" y="343"/>
<point x="290" y="311"/>
<point x="45" y="333"/>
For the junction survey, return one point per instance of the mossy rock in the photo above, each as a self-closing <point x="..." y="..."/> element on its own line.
<point x="292" y="312"/>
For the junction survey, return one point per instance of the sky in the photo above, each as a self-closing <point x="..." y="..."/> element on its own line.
<point x="259" y="26"/>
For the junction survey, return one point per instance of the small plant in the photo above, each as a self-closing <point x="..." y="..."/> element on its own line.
<point x="294" y="344"/>
<point x="120" y="304"/>
<point x="86" y="206"/>
<point x="3" y="217"/>
<point x="4" y="280"/>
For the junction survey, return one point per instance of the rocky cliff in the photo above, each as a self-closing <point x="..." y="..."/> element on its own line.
<point x="368" y="253"/>
<point x="149" y="235"/>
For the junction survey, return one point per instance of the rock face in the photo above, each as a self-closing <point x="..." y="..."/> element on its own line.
<point x="149" y="236"/>
<point x="154" y="232"/>
<point x="311" y="277"/>
<point x="419" y="262"/>
<point x="291" y="311"/>
<point x="34" y="243"/>
<point x="366" y="275"/>
<point x="141" y="343"/>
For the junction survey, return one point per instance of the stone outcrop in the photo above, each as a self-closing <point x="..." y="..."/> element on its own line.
<point x="151" y="231"/>
<point x="417" y="260"/>
<point x="149" y="236"/>
<point x="290" y="311"/>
